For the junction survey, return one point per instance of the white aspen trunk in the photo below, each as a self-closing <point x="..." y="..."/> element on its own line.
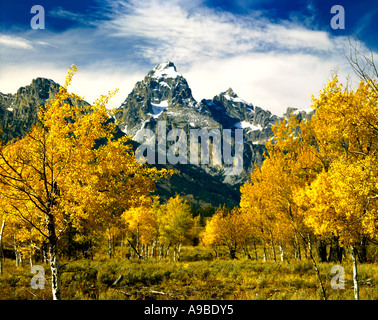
<point x="44" y="254"/>
<point x="282" y="253"/>
<point x="153" y="249"/>
<point x="54" y="257"/>
<point x="31" y="254"/>
<point x="264" y="251"/>
<point x="1" y="246"/>
<point x="55" y="273"/>
<point x="178" y="252"/>
<point x="356" y="286"/>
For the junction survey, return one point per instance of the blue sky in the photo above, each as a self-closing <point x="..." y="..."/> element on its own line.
<point x="273" y="53"/>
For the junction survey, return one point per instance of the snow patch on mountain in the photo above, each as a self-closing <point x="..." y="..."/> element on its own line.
<point x="158" y="108"/>
<point x="165" y="70"/>
<point x="237" y="99"/>
<point x="247" y="125"/>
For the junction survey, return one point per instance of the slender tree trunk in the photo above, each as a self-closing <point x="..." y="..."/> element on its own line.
<point x="322" y="251"/>
<point x="114" y="246"/>
<point x="110" y="249"/>
<point x="316" y="269"/>
<point x="16" y="253"/>
<point x="54" y="258"/>
<point x="246" y="252"/>
<point x="273" y="249"/>
<point x="356" y="285"/>
<point x="55" y="272"/>
<point x="362" y="252"/>
<point x="297" y="245"/>
<point x="264" y="251"/>
<point x="1" y="246"/>
<point x="137" y="239"/>
<point x="335" y="251"/>
<point x="282" y="253"/>
<point x="274" y="253"/>
<point x="44" y="252"/>
<point x="178" y="252"/>
<point x="153" y="249"/>
<point x="135" y="250"/>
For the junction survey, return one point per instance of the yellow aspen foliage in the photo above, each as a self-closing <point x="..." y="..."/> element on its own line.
<point x="343" y="200"/>
<point x="141" y="222"/>
<point x="228" y="228"/>
<point x="71" y="171"/>
<point x="339" y="202"/>
<point x="175" y="221"/>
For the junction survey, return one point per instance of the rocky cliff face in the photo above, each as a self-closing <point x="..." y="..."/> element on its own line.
<point x="164" y="94"/>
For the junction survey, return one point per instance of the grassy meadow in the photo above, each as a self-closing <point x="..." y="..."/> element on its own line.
<point x="198" y="276"/>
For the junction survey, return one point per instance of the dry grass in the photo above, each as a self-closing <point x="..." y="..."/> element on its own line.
<point x="197" y="276"/>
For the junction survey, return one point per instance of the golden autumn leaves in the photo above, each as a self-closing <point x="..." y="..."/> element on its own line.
<point x="159" y="227"/>
<point x="70" y="171"/>
<point x="320" y="176"/>
<point x="319" y="180"/>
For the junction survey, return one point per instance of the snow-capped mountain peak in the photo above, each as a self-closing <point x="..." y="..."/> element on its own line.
<point x="232" y="96"/>
<point x="165" y="70"/>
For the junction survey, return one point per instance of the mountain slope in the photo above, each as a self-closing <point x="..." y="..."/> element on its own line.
<point x="19" y="111"/>
<point x="165" y="95"/>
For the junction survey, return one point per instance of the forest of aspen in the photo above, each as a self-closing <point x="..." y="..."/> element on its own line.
<point x="79" y="219"/>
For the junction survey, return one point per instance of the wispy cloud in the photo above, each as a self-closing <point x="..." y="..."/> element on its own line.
<point x="271" y="63"/>
<point x="168" y="30"/>
<point x="60" y="12"/>
<point x="15" y="42"/>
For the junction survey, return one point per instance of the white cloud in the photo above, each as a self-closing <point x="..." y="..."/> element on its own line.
<point x="14" y="42"/>
<point x="270" y="81"/>
<point x="270" y="64"/>
<point x="169" y="31"/>
<point x="273" y="65"/>
<point x="88" y="83"/>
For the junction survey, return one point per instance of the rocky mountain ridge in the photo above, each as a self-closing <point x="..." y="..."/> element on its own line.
<point x="19" y="111"/>
<point x="164" y="94"/>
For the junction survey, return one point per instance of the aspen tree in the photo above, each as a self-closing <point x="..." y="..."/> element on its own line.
<point x="70" y="170"/>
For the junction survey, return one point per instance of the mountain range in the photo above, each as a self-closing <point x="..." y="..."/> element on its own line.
<point x="165" y="95"/>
